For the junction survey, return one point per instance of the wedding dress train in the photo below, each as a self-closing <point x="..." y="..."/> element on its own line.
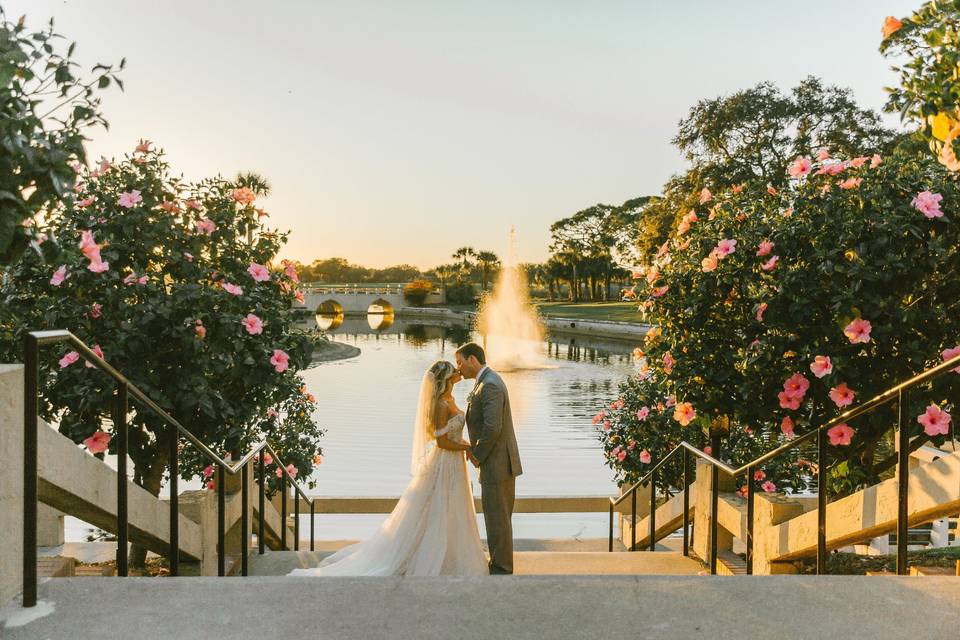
<point x="432" y="531"/>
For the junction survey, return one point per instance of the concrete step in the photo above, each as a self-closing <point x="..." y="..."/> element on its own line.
<point x="280" y="563"/>
<point x="516" y="607"/>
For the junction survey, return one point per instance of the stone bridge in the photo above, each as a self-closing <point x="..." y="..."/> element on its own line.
<point x="355" y="300"/>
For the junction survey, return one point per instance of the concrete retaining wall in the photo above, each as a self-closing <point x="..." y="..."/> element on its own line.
<point x="11" y="480"/>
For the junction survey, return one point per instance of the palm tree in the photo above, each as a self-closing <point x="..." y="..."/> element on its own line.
<point x="488" y="261"/>
<point x="463" y="256"/>
<point x="445" y="272"/>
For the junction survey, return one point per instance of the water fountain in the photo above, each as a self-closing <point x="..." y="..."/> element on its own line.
<point x="512" y="330"/>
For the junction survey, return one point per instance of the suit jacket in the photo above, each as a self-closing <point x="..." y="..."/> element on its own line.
<point x="490" y="425"/>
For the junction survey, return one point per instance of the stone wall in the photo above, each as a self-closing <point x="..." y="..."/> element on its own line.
<point x="11" y="480"/>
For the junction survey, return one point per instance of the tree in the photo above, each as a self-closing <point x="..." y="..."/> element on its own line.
<point x="46" y="106"/>
<point x="160" y="276"/>
<point x="929" y="91"/>
<point x="487" y="261"/>
<point x="778" y="308"/>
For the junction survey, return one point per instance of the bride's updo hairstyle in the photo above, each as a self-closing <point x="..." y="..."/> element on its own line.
<point x="442" y="371"/>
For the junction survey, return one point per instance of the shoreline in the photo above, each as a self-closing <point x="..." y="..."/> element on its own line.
<point x="333" y="351"/>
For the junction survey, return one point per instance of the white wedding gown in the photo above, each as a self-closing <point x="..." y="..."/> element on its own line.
<point x="431" y="532"/>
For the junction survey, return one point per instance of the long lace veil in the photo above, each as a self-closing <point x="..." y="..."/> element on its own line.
<point x="424" y="437"/>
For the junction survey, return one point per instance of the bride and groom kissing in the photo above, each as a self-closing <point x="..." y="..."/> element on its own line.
<point x="433" y="529"/>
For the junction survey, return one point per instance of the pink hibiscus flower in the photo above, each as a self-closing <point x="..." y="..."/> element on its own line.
<point x="170" y="206"/>
<point x="258" y="272"/>
<point x="821" y="366"/>
<point x="192" y="204"/>
<point x="759" y="475"/>
<point x="858" y="331"/>
<point x="206" y="226"/>
<point x="98" y="442"/>
<point x="684" y="413"/>
<point x="280" y="360"/>
<point x="842" y="395"/>
<point x="130" y="199"/>
<point x="645" y="457"/>
<point x="253" y="324"/>
<point x="787" y="426"/>
<point x="875" y="161"/>
<point x="800" y="167"/>
<point x="96" y="310"/>
<point x="97" y="350"/>
<point x="788" y="402"/>
<point x="764" y="248"/>
<point x="659" y="292"/>
<point x="207" y="472"/>
<point x="668" y="362"/>
<point x="86" y="202"/>
<point x="232" y="289"/>
<point x="143" y="146"/>
<point x="705" y="196"/>
<point x="621" y="455"/>
<point x="928" y="204"/>
<point x="267" y="458"/>
<point x="796" y="386"/>
<point x="851" y="183"/>
<point x="272" y="413"/>
<point x="840" y="435"/>
<point x="243" y="195"/>
<point x="858" y="162"/>
<point x="768" y="487"/>
<point x="642" y="413"/>
<point x="949" y="354"/>
<point x="68" y="359"/>
<point x="823" y="154"/>
<point x="725" y="247"/>
<point x="59" y="276"/>
<point x="760" y="310"/>
<point x="290" y="270"/>
<point x="935" y="421"/>
<point x="770" y="264"/>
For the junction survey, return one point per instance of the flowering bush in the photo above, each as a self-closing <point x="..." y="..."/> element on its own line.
<point x="172" y="282"/>
<point x="929" y="91"/>
<point x="416" y="292"/>
<point x="776" y="309"/>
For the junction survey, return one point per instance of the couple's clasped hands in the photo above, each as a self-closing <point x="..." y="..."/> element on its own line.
<point x="472" y="458"/>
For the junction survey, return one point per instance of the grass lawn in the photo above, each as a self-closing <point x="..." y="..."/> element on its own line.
<point x="618" y="311"/>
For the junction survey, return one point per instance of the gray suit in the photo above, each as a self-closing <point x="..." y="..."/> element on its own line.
<point x="494" y="443"/>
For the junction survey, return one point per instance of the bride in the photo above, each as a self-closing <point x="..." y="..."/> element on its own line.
<point x="433" y="529"/>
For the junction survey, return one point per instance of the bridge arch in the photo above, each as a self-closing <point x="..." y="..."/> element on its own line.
<point x="329" y="307"/>
<point x="381" y="307"/>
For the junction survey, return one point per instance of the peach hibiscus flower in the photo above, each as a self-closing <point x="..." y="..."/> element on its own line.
<point x="98" y="442"/>
<point x="821" y="366"/>
<point x="684" y="413"/>
<point x="858" y="331"/>
<point x="890" y="26"/>
<point x="842" y="395"/>
<point x="800" y="167"/>
<point x="840" y="435"/>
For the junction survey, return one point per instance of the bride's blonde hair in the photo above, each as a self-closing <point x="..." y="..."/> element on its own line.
<point x="442" y="371"/>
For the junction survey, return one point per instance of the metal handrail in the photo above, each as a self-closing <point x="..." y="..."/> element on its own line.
<point x="33" y="340"/>
<point x="898" y="392"/>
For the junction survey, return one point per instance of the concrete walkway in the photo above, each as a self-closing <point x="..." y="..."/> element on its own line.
<point x="515" y="608"/>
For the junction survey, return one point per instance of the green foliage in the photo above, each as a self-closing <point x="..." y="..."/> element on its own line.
<point x="160" y="310"/>
<point x="341" y="271"/>
<point x="461" y="293"/>
<point x="860" y="250"/>
<point x="417" y="291"/>
<point x="46" y="106"/>
<point x="929" y="91"/>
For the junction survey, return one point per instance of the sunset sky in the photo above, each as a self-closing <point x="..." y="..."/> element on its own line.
<point x="397" y="131"/>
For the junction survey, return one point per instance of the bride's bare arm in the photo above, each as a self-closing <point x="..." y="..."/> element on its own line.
<point x="443" y="441"/>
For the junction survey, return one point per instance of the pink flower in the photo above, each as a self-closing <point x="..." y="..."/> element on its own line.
<point x="796" y="386"/>
<point x="59" y="276"/>
<point x="200" y="330"/>
<point x="280" y="360"/>
<point x="660" y="291"/>
<point x="170" y="206"/>
<point x="258" y="272"/>
<point x="858" y="162"/>
<point x="207" y="471"/>
<point x="725" y="247"/>
<point x="876" y="161"/>
<point x="69" y="359"/>
<point x="949" y="354"/>
<point x="759" y="475"/>
<point x="928" y="204"/>
<point x="211" y="485"/>
<point x="851" y="183"/>
<point x="771" y="190"/>
<point x="267" y="458"/>
<point x="645" y="457"/>
<point x="764" y="248"/>
<point x="935" y="421"/>
<point x="291" y="471"/>
<point x="821" y="366"/>
<point x="770" y="264"/>
<point x="788" y="402"/>
<point x="192" y="204"/>
<point x="668" y="362"/>
<point x="98" y="266"/>
<point x="642" y="413"/>
<point x="143" y="146"/>
<point x="800" y="167"/>
<point x="290" y="270"/>
<point x="858" y="331"/>
<point x="833" y="169"/>
<point x="606" y="425"/>
<point x="232" y="289"/>
<point x="253" y="324"/>
<point x="705" y="196"/>
<point x="768" y="486"/>
<point x="709" y="263"/>
<point x="131" y="279"/>
<point x="97" y="350"/>
<point x="684" y="413"/>
<point x="86" y="202"/>
<point x="617" y="404"/>
<point x="98" y="442"/>
<point x="823" y="154"/>
<point x="708" y="450"/>
<point x="671" y="401"/>
<point x="129" y="199"/>
<point x="621" y="455"/>
<point x="760" y="311"/>
<point x="243" y="195"/>
<point x="188" y="256"/>
<point x="842" y="395"/>
<point x="96" y="310"/>
<point x="840" y="435"/>
<point x="206" y="225"/>
<point x="786" y="427"/>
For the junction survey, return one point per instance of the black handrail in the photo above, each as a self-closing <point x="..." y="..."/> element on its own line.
<point x="900" y="393"/>
<point x="33" y="340"/>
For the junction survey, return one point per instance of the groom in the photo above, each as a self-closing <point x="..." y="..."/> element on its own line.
<point x="495" y="452"/>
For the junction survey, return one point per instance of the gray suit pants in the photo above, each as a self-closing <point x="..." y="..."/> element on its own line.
<point x="497" y="500"/>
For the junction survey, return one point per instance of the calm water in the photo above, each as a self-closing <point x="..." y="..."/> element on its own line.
<point x="367" y="405"/>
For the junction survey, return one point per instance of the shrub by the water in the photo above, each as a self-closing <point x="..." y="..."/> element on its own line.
<point x="461" y="293"/>
<point x="416" y="292"/>
<point x="774" y="310"/>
